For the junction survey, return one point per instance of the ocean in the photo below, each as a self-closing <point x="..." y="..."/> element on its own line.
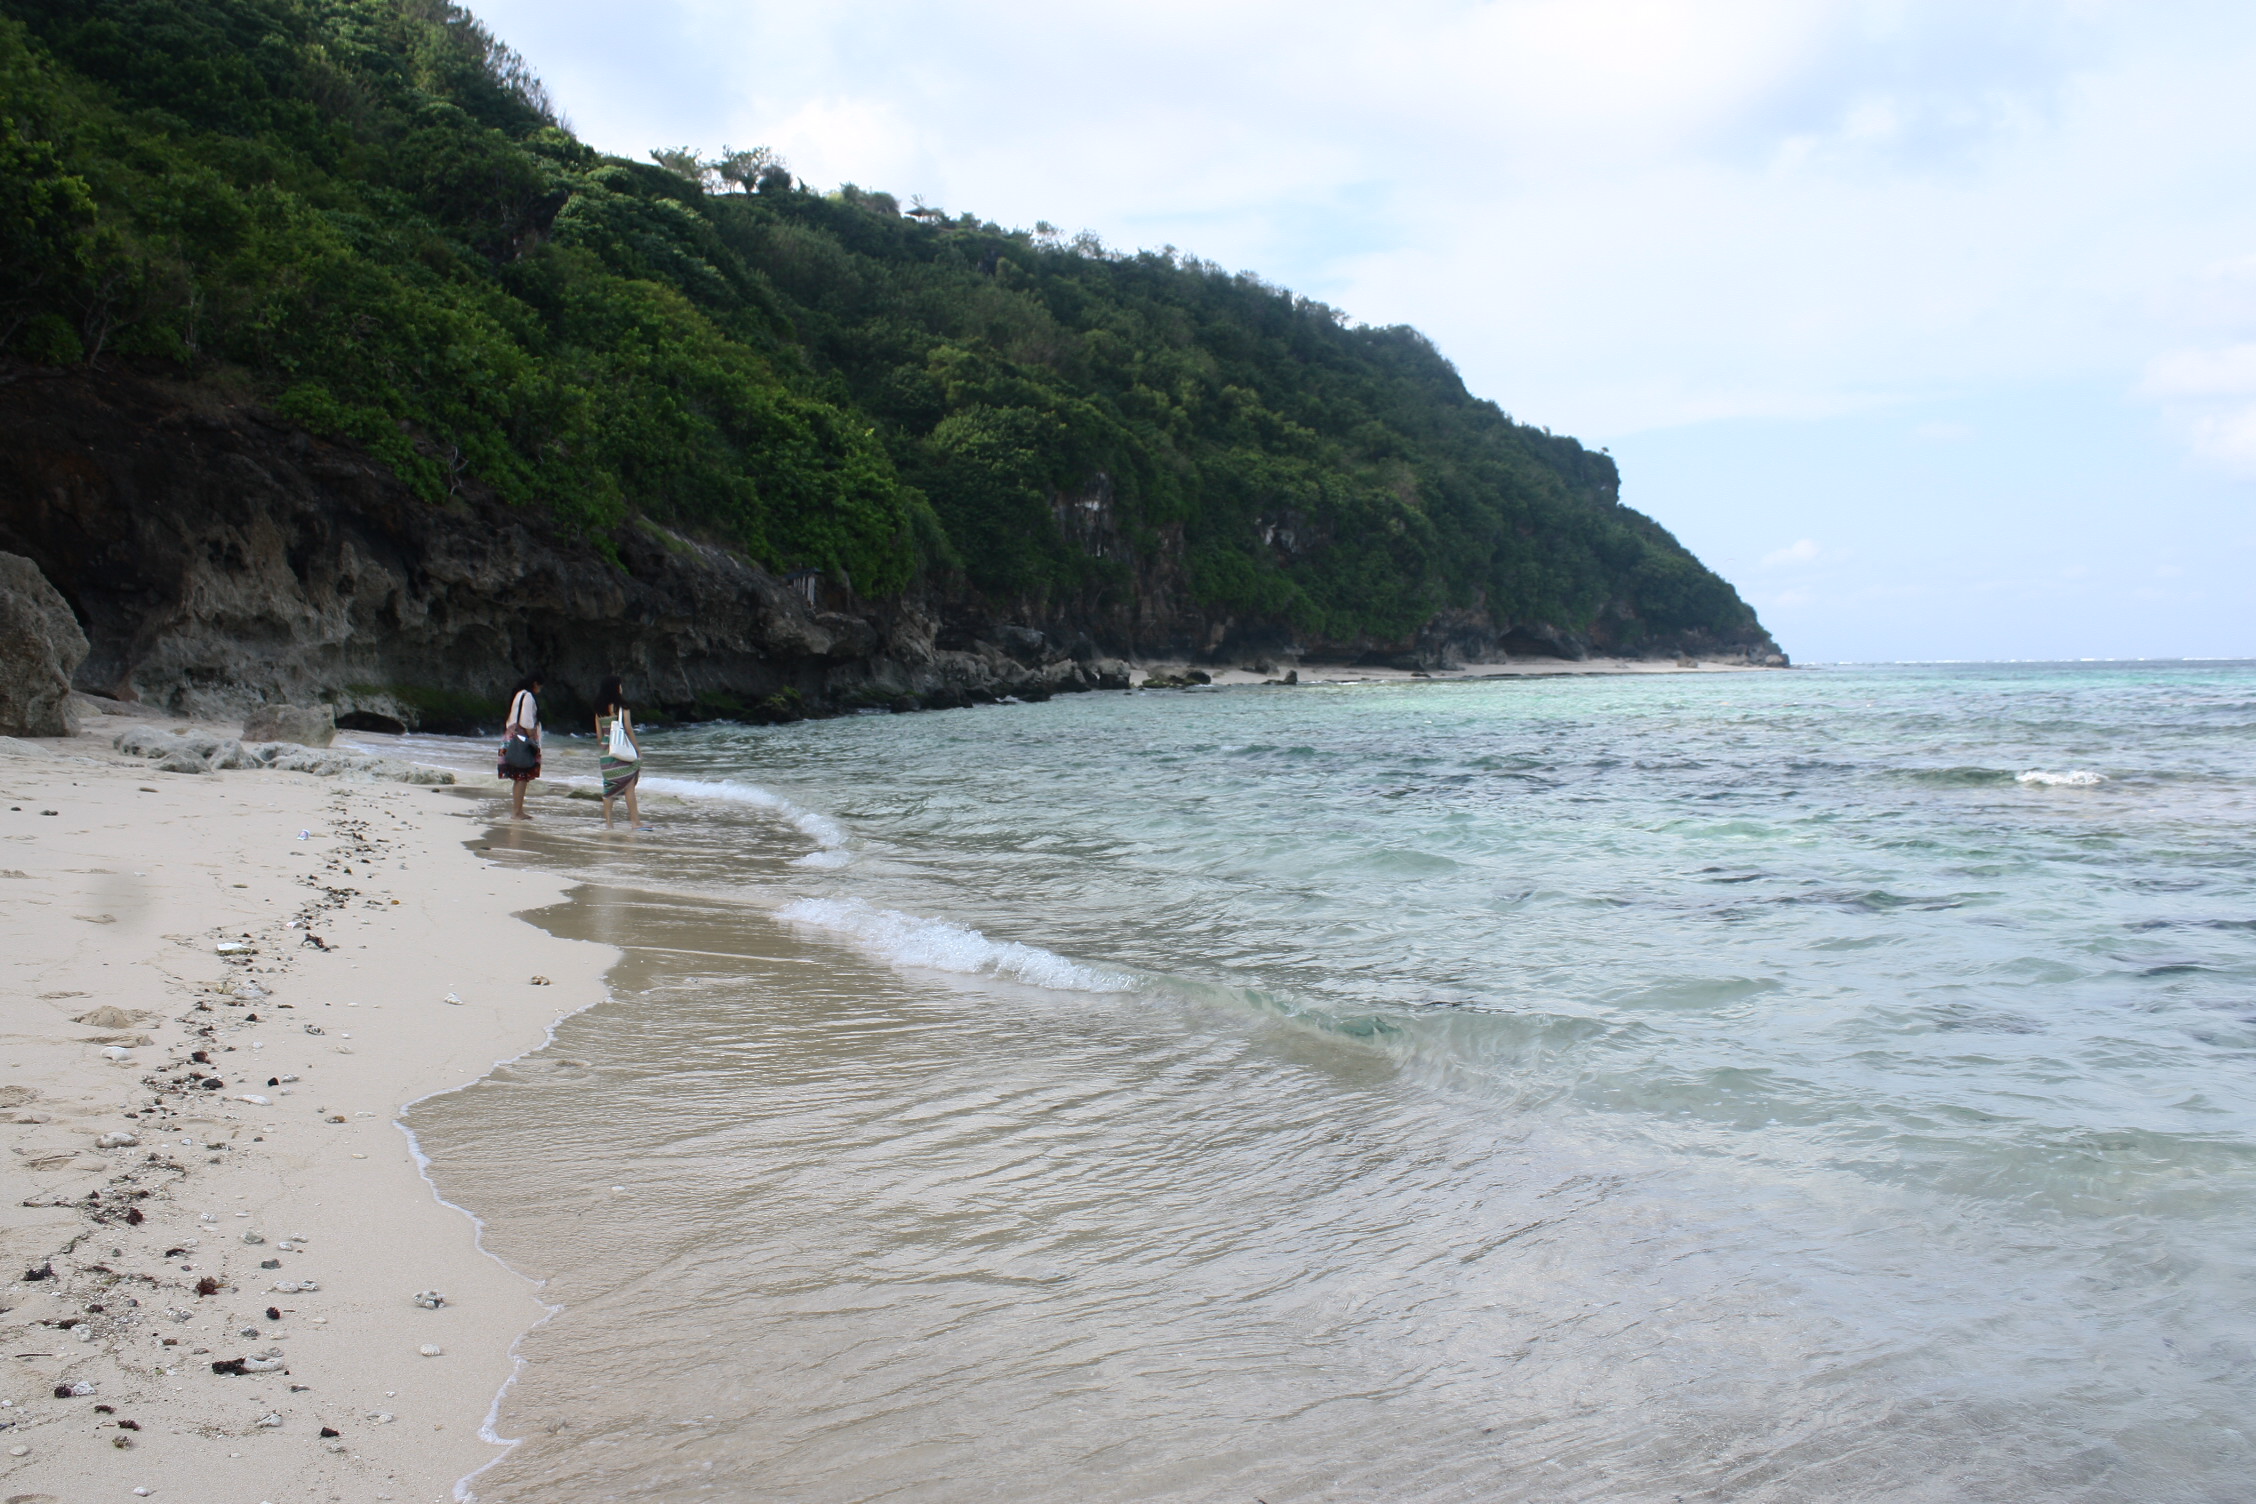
<point x="1831" y="1084"/>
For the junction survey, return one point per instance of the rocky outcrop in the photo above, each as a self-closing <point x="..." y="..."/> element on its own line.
<point x="226" y="563"/>
<point x="40" y="647"/>
<point x="201" y="752"/>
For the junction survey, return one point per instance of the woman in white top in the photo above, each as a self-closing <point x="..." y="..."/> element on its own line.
<point x="524" y="722"/>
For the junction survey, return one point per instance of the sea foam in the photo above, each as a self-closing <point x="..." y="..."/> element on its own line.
<point x="2079" y="779"/>
<point x="937" y="945"/>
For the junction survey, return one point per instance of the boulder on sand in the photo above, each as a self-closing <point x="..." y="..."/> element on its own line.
<point x="41" y="646"/>
<point x="304" y="725"/>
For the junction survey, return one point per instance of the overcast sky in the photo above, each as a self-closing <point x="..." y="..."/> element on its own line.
<point x="1931" y="325"/>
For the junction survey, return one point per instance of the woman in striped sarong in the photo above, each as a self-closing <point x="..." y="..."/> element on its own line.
<point x="620" y="774"/>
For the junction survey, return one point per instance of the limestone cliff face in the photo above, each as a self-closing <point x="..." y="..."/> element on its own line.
<point x="219" y="558"/>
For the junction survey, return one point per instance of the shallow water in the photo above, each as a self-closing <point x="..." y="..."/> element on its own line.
<point x="1741" y="1087"/>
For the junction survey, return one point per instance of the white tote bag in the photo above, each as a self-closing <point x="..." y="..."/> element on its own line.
<point x="622" y="749"/>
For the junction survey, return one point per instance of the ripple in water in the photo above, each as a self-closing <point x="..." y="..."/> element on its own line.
<point x="1739" y="1087"/>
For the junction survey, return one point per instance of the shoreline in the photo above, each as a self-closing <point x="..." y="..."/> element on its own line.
<point x="366" y="912"/>
<point x="1522" y="668"/>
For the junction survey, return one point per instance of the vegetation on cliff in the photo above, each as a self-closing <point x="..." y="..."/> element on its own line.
<point x="367" y="211"/>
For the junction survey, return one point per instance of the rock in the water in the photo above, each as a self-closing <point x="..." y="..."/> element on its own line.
<point x="305" y="725"/>
<point x="41" y="645"/>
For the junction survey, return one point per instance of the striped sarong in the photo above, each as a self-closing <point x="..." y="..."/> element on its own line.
<point x="619" y="774"/>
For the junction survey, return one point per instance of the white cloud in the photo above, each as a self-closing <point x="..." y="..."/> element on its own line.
<point x="2227" y="438"/>
<point x="1805" y="551"/>
<point x="2228" y="372"/>
<point x="2209" y="396"/>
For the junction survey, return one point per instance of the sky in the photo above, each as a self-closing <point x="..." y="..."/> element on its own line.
<point x="1931" y="326"/>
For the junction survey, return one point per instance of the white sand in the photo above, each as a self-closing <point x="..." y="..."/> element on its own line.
<point x="117" y="900"/>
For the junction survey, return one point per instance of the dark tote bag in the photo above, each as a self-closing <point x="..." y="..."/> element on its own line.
<point x="518" y="750"/>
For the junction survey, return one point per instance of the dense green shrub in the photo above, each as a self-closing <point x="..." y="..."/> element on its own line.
<point x="369" y="208"/>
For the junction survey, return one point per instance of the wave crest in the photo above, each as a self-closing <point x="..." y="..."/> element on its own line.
<point x="2079" y="779"/>
<point x="937" y="945"/>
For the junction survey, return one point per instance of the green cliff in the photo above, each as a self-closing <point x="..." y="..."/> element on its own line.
<point x="363" y="216"/>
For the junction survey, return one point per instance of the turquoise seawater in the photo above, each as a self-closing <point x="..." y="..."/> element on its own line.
<point x="1826" y="1084"/>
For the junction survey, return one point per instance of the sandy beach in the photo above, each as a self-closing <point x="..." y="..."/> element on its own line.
<point x="215" y="1234"/>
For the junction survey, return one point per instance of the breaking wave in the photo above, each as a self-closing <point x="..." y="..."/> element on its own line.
<point x="2079" y="779"/>
<point x="937" y="945"/>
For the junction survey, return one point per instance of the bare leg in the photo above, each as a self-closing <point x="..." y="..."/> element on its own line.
<point x="517" y="798"/>
<point x="634" y="812"/>
<point x="607" y="812"/>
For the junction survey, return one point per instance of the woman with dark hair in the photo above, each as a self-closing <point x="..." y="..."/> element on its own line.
<point x="619" y="750"/>
<point x="521" y="743"/>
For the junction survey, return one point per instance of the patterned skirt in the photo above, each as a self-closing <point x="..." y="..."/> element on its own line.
<point x="502" y="769"/>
